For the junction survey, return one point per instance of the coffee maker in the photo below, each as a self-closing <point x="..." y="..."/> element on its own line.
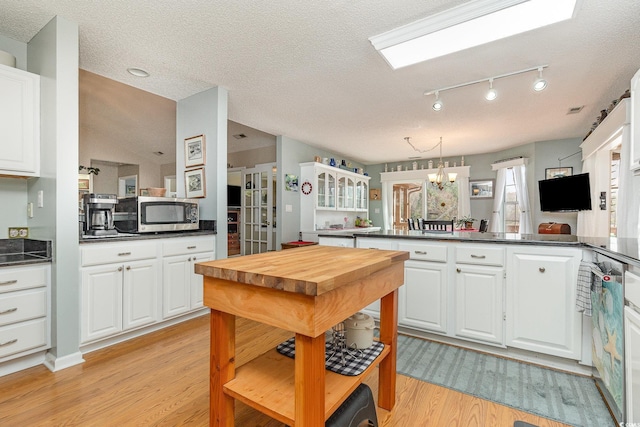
<point x="98" y="214"/>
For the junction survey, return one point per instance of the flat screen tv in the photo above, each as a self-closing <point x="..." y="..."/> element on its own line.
<point x="566" y="194"/>
<point x="234" y="196"/>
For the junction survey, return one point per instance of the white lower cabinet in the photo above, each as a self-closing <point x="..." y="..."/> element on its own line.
<point x="131" y="285"/>
<point x="118" y="297"/>
<point x="479" y="308"/>
<point x="541" y="297"/>
<point x="181" y="287"/>
<point x="373" y="309"/>
<point x="24" y="310"/>
<point x="424" y="297"/>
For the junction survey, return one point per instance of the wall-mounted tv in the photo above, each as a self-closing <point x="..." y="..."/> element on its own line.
<point x="234" y="196"/>
<point x="566" y="194"/>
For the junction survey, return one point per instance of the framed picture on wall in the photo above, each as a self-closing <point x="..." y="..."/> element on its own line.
<point x="195" y="183"/>
<point x="481" y="188"/>
<point x="551" y="173"/>
<point x="194" y="151"/>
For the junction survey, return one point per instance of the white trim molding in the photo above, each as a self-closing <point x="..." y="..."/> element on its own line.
<point x="55" y="364"/>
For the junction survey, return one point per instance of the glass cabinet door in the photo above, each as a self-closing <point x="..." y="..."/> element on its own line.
<point x="346" y="192"/>
<point x="362" y="195"/>
<point x="326" y="190"/>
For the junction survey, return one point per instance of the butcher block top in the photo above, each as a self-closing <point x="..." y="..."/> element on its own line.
<point x="311" y="270"/>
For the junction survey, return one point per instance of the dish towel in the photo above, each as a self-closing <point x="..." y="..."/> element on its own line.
<point x="586" y="279"/>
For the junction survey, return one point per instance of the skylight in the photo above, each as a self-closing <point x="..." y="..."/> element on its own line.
<point x="468" y="25"/>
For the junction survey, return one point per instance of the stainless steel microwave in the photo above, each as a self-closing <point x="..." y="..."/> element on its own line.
<point x="156" y="214"/>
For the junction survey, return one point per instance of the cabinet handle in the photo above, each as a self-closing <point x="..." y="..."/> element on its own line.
<point x="420" y="252"/>
<point x="13" y="341"/>
<point x="458" y="270"/>
<point x="9" y="282"/>
<point x="191" y="247"/>
<point x="478" y="256"/>
<point x="189" y="259"/>
<point x="194" y="258"/>
<point x="124" y="253"/>
<point x="128" y="267"/>
<point x="119" y="268"/>
<point x="541" y="270"/>
<point x="11" y="310"/>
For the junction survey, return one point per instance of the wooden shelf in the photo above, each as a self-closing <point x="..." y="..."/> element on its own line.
<point x="267" y="384"/>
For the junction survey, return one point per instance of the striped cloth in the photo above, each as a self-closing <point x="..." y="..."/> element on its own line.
<point x="586" y="281"/>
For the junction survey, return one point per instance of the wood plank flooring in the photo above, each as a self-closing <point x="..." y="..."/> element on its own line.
<point x="161" y="379"/>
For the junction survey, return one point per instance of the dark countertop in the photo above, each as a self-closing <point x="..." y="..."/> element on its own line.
<point x="626" y="250"/>
<point x="16" y="252"/>
<point x="123" y="237"/>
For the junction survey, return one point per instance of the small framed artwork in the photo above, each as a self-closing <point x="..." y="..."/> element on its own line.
<point x="194" y="151"/>
<point x="551" y="173"/>
<point x="144" y="192"/>
<point x="481" y="189"/>
<point x="194" y="182"/>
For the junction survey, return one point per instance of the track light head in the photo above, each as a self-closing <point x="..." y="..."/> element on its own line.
<point x="540" y="84"/>
<point x="491" y="93"/>
<point x="437" y="105"/>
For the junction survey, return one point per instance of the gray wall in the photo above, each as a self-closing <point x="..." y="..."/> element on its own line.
<point x="250" y="158"/>
<point x="53" y="54"/>
<point x="205" y="113"/>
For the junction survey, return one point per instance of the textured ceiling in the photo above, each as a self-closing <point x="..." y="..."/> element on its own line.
<point x="306" y="69"/>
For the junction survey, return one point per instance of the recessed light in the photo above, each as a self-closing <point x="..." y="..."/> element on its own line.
<point x="138" y="72"/>
<point x="471" y="24"/>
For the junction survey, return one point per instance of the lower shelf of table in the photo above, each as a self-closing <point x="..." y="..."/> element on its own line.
<point x="267" y="384"/>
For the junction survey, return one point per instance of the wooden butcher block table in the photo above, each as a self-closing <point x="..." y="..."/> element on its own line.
<point x="306" y="291"/>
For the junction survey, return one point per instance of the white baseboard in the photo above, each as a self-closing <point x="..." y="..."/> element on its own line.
<point x="55" y="363"/>
<point x="24" y="362"/>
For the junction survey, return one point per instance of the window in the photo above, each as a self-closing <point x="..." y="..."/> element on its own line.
<point x="511" y="209"/>
<point x="409" y="202"/>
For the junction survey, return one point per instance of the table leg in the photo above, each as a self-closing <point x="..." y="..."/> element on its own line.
<point x="389" y="336"/>
<point x="310" y="381"/>
<point x="221" y="368"/>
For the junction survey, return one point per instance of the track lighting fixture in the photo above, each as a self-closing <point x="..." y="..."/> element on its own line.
<point x="540" y="84"/>
<point x="437" y="106"/>
<point x="491" y="93"/>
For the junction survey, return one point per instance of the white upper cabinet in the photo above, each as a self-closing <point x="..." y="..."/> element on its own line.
<point x="20" y="124"/>
<point x="635" y="122"/>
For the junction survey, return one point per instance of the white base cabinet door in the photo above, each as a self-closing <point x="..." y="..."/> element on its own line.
<point x="140" y="294"/>
<point x="373" y="309"/>
<point x="423" y="298"/>
<point x="101" y="302"/>
<point x="541" y="297"/>
<point x="118" y="297"/>
<point x="182" y="288"/>
<point x="479" y="311"/>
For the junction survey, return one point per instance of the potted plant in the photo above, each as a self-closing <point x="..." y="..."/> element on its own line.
<point x="465" y="222"/>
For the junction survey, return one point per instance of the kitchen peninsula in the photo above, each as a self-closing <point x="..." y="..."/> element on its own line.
<point x="307" y="291"/>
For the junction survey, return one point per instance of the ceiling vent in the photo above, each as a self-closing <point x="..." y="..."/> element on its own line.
<point x="240" y="136"/>
<point x="575" y="110"/>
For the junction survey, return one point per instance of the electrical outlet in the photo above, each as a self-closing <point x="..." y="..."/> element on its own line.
<point x="18" y="232"/>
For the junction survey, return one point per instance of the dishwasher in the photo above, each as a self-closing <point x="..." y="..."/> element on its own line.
<point x="632" y="343"/>
<point x="607" y="302"/>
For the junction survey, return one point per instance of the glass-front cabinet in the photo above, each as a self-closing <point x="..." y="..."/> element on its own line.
<point x="326" y="183"/>
<point x="331" y="198"/>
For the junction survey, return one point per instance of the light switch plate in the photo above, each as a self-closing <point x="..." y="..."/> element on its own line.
<point x="18" y="232"/>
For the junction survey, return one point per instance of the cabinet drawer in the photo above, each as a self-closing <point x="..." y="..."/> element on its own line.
<point x="13" y="279"/>
<point x="22" y="336"/>
<point x="24" y="305"/>
<point x="424" y="252"/>
<point x="185" y="246"/>
<point x="481" y="255"/>
<point x="97" y="254"/>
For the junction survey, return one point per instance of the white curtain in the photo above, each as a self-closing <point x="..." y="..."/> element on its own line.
<point x="496" y="224"/>
<point x="387" y="205"/>
<point x="522" y="192"/>
<point x="628" y="207"/>
<point x="464" y="205"/>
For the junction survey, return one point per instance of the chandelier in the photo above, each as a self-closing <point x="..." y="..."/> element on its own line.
<point x="440" y="178"/>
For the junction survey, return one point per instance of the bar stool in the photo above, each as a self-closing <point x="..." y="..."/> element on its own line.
<point x="358" y="407"/>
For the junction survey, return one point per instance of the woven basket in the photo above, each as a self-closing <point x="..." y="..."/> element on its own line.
<point x="156" y="192"/>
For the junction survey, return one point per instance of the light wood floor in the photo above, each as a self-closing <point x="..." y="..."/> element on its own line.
<point x="161" y="379"/>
